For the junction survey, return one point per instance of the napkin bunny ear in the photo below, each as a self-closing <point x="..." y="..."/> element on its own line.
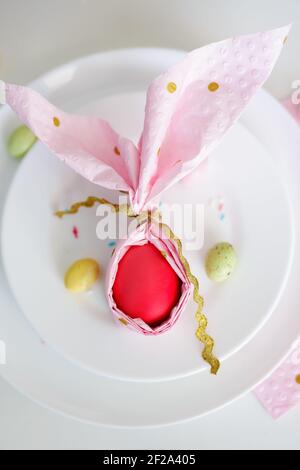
<point x="87" y="144"/>
<point x="189" y="109"/>
<point x="191" y="106"/>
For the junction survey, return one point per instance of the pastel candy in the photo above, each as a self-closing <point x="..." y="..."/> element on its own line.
<point x="220" y="262"/>
<point x="20" y="142"/>
<point x="82" y="275"/>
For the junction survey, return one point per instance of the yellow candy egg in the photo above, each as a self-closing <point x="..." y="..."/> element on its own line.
<point x="82" y="275"/>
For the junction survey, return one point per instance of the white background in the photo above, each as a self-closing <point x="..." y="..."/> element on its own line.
<point x="36" y="35"/>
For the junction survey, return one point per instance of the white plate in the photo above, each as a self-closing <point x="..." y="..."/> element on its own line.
<point x="38" y="248"/>
<point x="46" y="377"/>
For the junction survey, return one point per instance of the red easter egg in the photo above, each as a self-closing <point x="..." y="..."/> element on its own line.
<point x="146" y="286"/>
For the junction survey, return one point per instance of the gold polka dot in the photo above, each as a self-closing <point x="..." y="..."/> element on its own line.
<point x="158" y="152"/>
<point x="285" y="40"/>
<point x="297" y="378"/>
<point x="117" y="151"/>
<point x="213" y="86"/>
<point x="56" y="121"/>
<point x="171" y="87"/>
<point x="124" y="322"/>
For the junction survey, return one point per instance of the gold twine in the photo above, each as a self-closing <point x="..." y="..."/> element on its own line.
<point x="90" y="202"/>
<point x="201" y="333"/>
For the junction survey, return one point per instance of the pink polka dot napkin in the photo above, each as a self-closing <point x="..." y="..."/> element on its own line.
<point x="281" y="392"/>
<point x="189" y="108"/>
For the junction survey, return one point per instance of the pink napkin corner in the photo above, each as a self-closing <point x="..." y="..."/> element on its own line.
<point x="281" y="392"/>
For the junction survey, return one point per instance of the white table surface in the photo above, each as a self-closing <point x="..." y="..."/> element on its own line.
<point x="38" y="35"/>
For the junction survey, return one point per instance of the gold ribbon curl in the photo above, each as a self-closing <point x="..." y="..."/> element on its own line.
<point x="201" y="319"/>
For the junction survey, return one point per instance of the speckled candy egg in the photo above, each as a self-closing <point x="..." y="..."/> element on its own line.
<point x="220" y="262"/>
<point x="20" y="142"/>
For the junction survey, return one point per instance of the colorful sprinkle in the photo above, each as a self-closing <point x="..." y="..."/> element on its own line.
<point x="222" y="217"/>
<point x="217" y="203"/>
<point x="117" y="151"/>
<point x="297" y="379"/>
<point x="124" y="322"/>
<point x="75" y="232"/>
<point x="112" y="244"/>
